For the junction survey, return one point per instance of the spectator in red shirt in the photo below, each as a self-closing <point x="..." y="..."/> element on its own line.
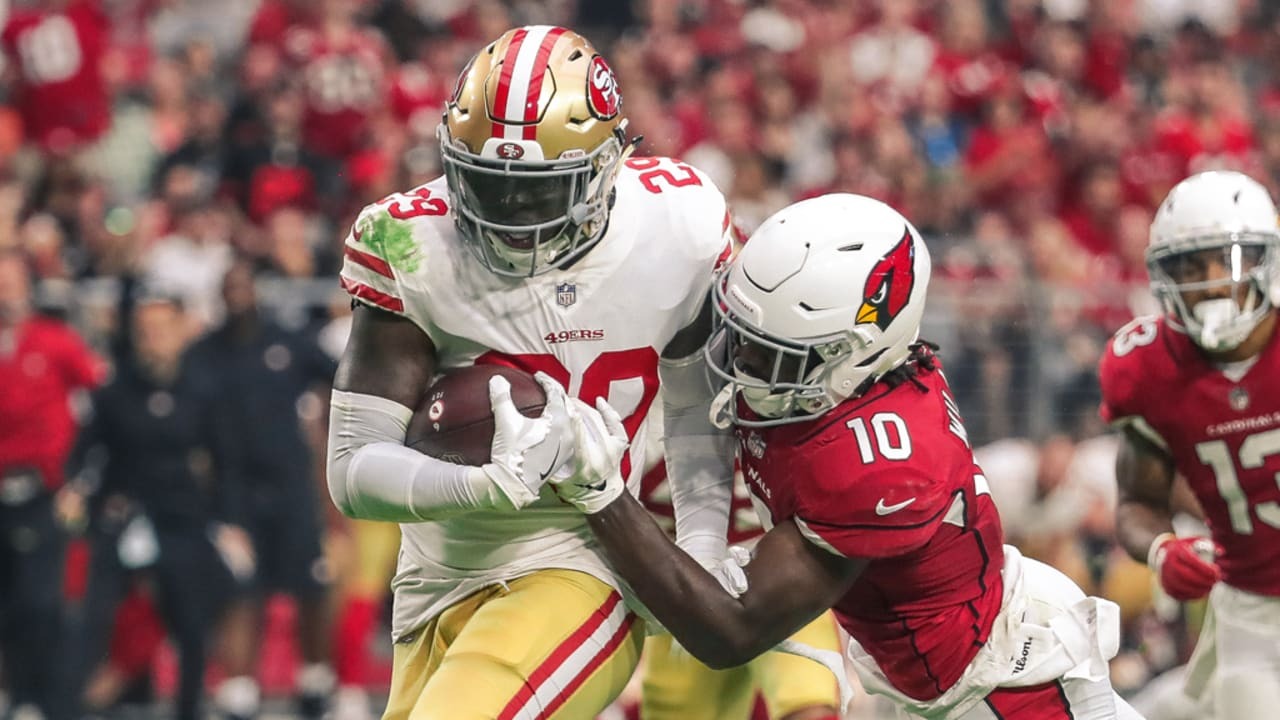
<point x="343" y="67"/>
<point x="41" y="363"/>
<point x="1009" y="153"/>
<point x="1211" y="131"/>
<point x="972" y="68"/>
<point x="1092" y="217"/>
<point x="56" y="48"/>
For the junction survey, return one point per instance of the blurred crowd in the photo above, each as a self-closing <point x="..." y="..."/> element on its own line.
<point x="183" y="148"/>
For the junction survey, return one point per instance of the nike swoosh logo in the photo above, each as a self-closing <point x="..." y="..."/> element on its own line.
<point x="550" y="466"/>
<point x="882" y="509"/>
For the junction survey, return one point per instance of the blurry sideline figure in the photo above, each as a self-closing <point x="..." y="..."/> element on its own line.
<point x="42" y="362"/>
<point x="263" y="372"/>
<point x="157" y="480"/>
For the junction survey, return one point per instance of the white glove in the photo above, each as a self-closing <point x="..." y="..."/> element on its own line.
<point x="526" y="451"/>
<point x="728" y="570"/>
<point x="594" y="479"/>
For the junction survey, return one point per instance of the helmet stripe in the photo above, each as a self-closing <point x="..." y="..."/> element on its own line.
<point x="535" y="83"/>
<point x="500" y="97"/>
<point x="519" y="68"/>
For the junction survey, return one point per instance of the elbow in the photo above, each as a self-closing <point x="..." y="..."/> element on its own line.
<point x="336" y="478"/>
<point x="726" y="645"/>
<point x="730" y="653"/>
<point x="341" y="500"/>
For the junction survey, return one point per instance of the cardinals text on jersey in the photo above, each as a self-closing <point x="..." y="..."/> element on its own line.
<point x="888" y="477"/>
<point x="1222" y="433"/>
<point x="598" y="327"/>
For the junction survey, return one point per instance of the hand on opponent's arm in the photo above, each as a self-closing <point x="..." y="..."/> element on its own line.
<point x="789" y="581"/>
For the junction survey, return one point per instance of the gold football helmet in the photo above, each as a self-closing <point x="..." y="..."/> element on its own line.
<point x="531" y="142"/>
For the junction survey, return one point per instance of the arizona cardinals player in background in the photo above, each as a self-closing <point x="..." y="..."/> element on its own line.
<point x="856" y="455"/>
<point x="1196" y="392"/>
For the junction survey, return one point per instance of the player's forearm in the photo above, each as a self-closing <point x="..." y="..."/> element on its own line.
<point x="372" y="476"/>
<point x="699" y="459"/>
<point x="1138" y="525"/>
<point x="718" y="629"/>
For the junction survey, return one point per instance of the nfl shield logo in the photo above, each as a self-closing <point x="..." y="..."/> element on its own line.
<point x="566" y="294"/>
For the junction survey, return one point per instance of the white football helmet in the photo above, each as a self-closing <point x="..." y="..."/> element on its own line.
<point x="1222" y="219"/>
<point x="825" y="297"/>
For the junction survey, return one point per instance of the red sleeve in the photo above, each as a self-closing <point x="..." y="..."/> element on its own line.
<point x="375" y="247"/>
<point x="880" y="511"/>
<point x="81" y="367"/>
<point x="1120" y="371"/>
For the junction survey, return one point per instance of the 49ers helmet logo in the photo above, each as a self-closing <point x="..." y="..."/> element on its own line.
<point x="510" y="151"/>
<point x="890" y="284"/>
<point x="602" y="89"/>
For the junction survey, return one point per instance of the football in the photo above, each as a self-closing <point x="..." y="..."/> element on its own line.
<point x="454" y="422"/>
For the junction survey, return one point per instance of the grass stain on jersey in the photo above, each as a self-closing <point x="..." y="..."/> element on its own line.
<point x="392" y="240"/>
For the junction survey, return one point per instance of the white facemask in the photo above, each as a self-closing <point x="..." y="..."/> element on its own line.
<point x="764" y="403"/>
<point x="1222" y="325"/>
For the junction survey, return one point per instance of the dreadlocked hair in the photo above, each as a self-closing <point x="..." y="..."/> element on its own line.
<point x="922" y="356"/>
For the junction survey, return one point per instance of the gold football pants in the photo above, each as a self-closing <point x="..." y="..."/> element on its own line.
<point x="678" y="687"/>
<point x="553" y="645"/>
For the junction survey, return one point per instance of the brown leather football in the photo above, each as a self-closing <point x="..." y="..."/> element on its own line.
<point x="454" y="422"/>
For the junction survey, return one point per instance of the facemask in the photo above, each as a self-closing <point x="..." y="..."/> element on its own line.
<point x="1222" y="325"/>
<point x="763" y="402"/>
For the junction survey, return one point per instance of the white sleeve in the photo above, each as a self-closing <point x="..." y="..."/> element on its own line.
<point x="699" y="459"/>
<point x="373" y="476"/>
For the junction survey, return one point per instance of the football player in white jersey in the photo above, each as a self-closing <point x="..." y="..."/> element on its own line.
<point x="545" y="247"/>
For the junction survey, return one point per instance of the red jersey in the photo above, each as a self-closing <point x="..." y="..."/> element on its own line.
<point x="417" y="94"/>
<point x="889" y="476"/>
<point x="61" y="95"/>
<point x="1223" y="436"/>
<point x="344" y="83"/>
<point x="41" y="362"/>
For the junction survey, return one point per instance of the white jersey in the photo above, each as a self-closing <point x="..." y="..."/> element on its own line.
<point x="598" y="327"/>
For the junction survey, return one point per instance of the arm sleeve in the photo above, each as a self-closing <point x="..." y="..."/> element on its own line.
<point x="699" y="459"/>
<point x="373" y="476"/>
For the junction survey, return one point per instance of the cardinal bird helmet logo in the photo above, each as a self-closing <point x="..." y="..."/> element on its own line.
<point x="889" y="284"/>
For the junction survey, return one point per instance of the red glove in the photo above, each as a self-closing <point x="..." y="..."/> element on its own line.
<point x="1185" y="565"/>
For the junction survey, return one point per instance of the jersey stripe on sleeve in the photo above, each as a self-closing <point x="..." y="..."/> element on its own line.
<point x="372" y="262"/>
<point x="371" y="296"/>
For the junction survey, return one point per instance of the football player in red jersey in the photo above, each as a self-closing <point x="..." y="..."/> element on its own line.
<point x="1195" y="393"/>
<point x="855" y="453"/>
